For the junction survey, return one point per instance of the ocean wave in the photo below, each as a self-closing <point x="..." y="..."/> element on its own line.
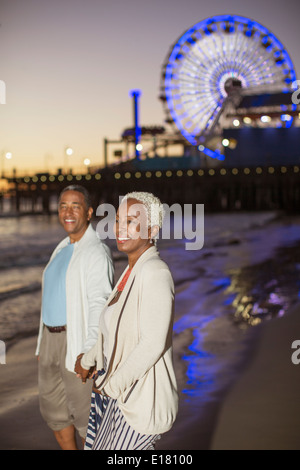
<point x="25" y="256"/>
<point x="15" y="292"/>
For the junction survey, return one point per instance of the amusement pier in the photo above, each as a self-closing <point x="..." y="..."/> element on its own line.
<point x="230" y="139"/>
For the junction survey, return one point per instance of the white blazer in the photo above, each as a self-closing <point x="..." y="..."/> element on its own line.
<point x="89" y="282"/>
<point x="140" y="374"/>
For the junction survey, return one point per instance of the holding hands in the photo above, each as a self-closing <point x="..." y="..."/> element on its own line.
<point x="82" y="373"/>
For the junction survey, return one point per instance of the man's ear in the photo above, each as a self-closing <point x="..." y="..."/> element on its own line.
<point x="90" y="213"/>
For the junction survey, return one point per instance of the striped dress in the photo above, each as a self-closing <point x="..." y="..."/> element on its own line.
<point x="108" y="430"/>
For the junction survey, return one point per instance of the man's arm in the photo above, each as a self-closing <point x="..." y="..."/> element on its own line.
<point x="100" y="273"/>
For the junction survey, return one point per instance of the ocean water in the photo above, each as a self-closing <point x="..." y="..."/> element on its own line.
<point x="248" y="271"/>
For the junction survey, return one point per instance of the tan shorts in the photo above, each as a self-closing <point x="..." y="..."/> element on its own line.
<point x="64" y="399"/>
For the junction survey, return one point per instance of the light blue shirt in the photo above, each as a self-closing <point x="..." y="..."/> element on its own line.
<point x="54" y="302"/>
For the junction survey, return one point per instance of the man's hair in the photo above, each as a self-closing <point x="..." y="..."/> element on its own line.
<point x="79" y="189"/>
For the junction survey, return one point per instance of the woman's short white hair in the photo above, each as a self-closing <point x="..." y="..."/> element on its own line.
<point x="154" y="208"/>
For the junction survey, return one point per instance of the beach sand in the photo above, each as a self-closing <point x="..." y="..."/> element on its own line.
<point x="259" y="410"/>
<point x="262" y="409"/>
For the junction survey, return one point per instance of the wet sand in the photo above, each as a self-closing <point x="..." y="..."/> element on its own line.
<point x="258" y="408"/>
<point x="262" y="409"/>
<point x="22" y="427"/>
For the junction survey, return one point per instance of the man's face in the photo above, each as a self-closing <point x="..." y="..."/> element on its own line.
<point x="73" y="214"/>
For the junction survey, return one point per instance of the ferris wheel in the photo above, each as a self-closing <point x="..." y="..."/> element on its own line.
<point x="215" y="62"/>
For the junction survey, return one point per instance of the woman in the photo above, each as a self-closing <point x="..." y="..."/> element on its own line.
<point x="134" y="397"/>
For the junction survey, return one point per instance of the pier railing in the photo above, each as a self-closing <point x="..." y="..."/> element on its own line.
<point x="219" y="189"/>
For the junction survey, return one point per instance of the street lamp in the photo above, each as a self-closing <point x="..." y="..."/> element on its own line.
<point x="5" y="156"/>
<point x="87" y="162"/>
<point x="68" y="153"/>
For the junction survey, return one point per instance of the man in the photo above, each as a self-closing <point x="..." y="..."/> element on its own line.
<point x="76" y="283"/>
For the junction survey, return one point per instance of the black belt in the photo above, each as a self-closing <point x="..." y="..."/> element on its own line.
<point x="56" y="329"/>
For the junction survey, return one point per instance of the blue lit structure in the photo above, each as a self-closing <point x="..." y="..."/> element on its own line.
<point x="135" y="94"/>
<point x="210" y="54"/>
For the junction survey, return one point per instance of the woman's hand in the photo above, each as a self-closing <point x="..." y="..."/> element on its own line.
<point x="82" y="373"/>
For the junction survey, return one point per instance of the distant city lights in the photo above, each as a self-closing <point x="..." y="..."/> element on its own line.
<point x="265" y="119"/>
<point x="160" y="173"/>
<point x="69" y="151"/>
<point x="231" y="143"/>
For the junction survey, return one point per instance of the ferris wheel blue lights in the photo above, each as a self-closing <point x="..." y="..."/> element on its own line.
<point x="211" y="53"/>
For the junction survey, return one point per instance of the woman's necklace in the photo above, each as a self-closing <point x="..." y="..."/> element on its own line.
<point x="121" y="285"/>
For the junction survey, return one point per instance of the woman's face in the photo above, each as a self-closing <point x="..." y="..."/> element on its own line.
<point x="131" y="227"/>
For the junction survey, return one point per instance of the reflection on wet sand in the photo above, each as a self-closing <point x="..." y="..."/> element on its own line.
<point x="265" y="290"/>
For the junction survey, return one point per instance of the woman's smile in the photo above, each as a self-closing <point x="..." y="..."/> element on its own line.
<point x="123" y="239"/>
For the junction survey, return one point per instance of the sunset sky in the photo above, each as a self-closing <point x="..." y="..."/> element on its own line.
<point x="68" y="66"/>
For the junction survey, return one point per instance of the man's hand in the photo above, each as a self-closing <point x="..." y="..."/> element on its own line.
<point x="82" y="373"/>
